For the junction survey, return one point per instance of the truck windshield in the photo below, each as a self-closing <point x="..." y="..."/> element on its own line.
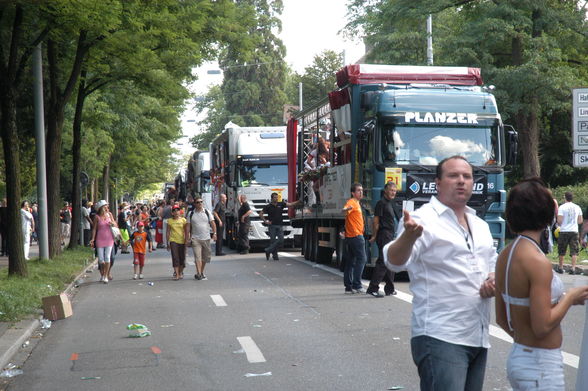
<point x="428" y="145"/>
<point x="264" y="174"/>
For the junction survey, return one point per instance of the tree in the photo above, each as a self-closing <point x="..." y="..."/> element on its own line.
<point x="318" y="78"/>
<point x="255" y="70"/>
<point x="20" y="31"/>
<point x="213" y="104"/>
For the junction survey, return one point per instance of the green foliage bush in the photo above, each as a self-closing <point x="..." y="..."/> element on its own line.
<point x="21" y="296"/>
<point x="580" y="193"/>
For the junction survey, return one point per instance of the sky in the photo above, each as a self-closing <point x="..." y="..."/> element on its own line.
<point x="308" y="28"/>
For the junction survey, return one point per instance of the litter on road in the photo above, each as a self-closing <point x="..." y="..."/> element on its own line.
<point x="258" y="374"/>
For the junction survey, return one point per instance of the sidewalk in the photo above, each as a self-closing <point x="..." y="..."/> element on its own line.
<point x="13" y="335"/>
<point x="33" y="253"/>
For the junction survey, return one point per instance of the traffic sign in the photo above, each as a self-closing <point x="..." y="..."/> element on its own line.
<point x="579" y="122"/>
<point x="580" y="158"/>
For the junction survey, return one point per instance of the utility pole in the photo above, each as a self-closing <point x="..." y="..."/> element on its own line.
<point x="40" y="138"/>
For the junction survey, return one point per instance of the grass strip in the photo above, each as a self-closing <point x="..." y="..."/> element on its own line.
<point x="21" y="296"/>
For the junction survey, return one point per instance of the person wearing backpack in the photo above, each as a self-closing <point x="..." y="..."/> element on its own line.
<point x="201" y="223"/>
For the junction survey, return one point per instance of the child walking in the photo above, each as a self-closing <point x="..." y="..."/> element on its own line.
<point x="139" y="240"/>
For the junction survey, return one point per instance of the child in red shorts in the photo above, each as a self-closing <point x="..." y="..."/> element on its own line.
<point x="139" y="240"/>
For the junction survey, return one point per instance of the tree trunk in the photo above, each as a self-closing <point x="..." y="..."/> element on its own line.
<point x="528" y="128"/>
<point x="76" y="190"/>
<point x="16" y="262"/>
<point x="106" y="182"/>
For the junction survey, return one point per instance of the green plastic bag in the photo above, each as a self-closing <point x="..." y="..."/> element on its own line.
<point x="137" y="330"/>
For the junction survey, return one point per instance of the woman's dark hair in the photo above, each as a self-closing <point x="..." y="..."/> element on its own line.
<point x="529" y="206"/>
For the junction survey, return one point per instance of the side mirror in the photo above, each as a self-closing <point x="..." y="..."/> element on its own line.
<point x="513" y="145"/>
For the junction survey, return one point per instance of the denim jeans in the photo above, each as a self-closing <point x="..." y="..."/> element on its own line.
<point x="531" y="368"/>
<point x="446" y="366"/>
<point x="276" y="235"/>
<point x="355" y="262"/>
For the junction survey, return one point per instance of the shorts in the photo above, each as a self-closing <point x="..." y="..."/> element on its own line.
<point x="201" y="250"/>
<point x="139" y="259"/>
<point x="530" y="368"/>
<point x="178" y="253"/>
<point x="565" y="239"/>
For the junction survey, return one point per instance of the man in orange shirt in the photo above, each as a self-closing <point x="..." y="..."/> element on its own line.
<point x="355" y="241"/>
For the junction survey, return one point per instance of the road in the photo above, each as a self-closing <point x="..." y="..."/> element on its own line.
<point x="288" y="321"/>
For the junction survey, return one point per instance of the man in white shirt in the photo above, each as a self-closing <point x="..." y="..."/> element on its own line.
<point x="569" y="216"/>
<point x="201" y="223"/>
<point x="450" y="257"/>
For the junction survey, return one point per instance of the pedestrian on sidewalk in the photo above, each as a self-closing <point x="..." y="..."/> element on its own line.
<point x="165" y="213"/>
<point x="383" y="231"/>
<point x="103" y="239"/>
<point x="4" y="228"/>
<point x="275" y="223"/>
<point x="532" y="302"/>
<point x="355" y="241"/>
<point x="140" y="240"/>
<point x="86" y="222"/>
<point x="177" y="235"/>
<point x="450" y="257"/>
<point x="201" y="225"/>
<point x="569" y="216"/>
<point x="219" y="212"/>
<point x="244" y="225"/>
<point x="65" y="217"/>
<point x="28" y="226"/>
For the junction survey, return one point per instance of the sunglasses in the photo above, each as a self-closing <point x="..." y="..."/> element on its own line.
<point x="197" y="202"/>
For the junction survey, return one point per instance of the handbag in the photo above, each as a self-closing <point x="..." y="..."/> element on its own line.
<point x="115" y="233"/>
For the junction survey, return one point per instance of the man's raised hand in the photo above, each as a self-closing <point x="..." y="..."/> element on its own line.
<point x="411" y="227"/>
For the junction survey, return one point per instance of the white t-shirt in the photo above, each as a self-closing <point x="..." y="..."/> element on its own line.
<point x="447" y="267"/>
<point x="569" y="212"/>
<point x="85" y="217"/>
<point x="200" y="224"/>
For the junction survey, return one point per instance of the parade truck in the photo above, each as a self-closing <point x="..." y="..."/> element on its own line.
<point x="198" y="178"/>
<point x="250" y="161"/>
<point x="394" y="123"/>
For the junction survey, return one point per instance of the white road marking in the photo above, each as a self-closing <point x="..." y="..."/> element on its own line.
<point x="218" y="300"/>
<point x="253" y="353"/>
<point x="568" y="358"/>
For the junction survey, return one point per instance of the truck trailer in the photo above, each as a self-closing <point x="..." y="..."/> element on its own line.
<point x="250" y="161"/>
<point x="394" y="123"/>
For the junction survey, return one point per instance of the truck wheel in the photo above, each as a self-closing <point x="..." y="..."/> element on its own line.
<point x="313" y="242"/>
<point x="324" y="255"/>
<point x="339" y="258"/>
<point x="307" y="241"/>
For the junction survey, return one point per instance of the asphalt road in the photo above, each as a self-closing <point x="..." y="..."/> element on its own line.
<point x="286" y="326"/>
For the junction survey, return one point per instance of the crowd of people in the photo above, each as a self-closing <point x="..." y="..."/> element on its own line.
<point x="447" y="250"/>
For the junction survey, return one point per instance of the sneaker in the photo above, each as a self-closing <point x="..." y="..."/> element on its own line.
<point x="203" y="277"/>
<point x="197" y="276"/>
<point x="360" y="290"/>
<point x="571" y="271"/>
<point x="140" y="276"/>
<point x="559" y="269"/>
<point x="134" y="276"/>
<point x="101" y="279"/>
<point x="105" y="280"/>
<point x="349" y="291"/>
<point x="391" y="293"/>
<point x="374" y="294"/>
<point x="267" y="255"/>
<point x="276" y="258"/>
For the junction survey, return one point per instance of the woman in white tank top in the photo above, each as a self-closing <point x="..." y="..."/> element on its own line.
<point x="530" y="302"/>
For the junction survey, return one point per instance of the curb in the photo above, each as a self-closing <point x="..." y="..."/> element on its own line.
<point x="17" y="334"/>
<point x="14" y="337"/>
